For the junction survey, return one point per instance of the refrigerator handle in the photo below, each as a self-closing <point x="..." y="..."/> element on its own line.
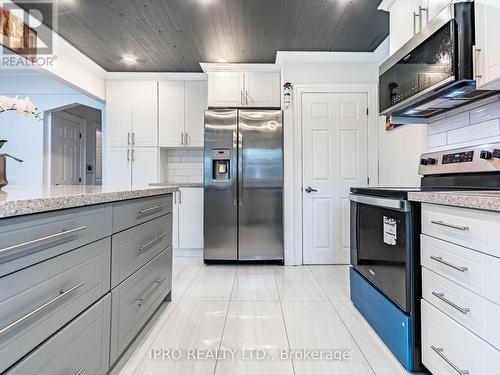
<point x="240" y="167"/>
<point x="234" y="159"/>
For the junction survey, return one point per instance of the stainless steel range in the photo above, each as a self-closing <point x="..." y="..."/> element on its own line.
<point x="385" y="243"/>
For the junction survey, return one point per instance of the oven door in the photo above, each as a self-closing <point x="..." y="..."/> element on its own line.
<point x="381" y="245"/>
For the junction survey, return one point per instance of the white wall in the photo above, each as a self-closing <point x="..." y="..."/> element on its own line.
<point x="25" y="134"/>
<point x="466" y="127"/>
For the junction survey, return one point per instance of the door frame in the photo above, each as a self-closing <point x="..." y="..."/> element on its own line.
<point x="294" y="160"/>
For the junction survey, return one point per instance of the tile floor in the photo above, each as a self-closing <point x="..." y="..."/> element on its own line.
<point x="260" y="310"/>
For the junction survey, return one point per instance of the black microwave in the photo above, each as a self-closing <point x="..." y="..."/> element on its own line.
<point x="435" y="70"/>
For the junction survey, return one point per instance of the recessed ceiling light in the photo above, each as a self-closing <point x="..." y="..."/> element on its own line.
<point x="129" y="59"/>
<point x="222" y="61"/>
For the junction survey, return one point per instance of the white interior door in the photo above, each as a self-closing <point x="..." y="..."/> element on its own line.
<point x="66" y="155"/>
<point x="335" y="157"/>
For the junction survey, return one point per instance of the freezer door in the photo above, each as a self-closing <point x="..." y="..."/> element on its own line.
<point x="260" y="170"/>
<point x="220" y="185"/>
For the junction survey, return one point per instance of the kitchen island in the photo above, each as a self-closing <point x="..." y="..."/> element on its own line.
<point x="82" y="271"/>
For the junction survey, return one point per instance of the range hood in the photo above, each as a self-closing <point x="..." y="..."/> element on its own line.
<point x="434" y="71"/>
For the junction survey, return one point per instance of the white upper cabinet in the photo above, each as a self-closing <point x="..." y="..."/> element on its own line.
<point x="262" y="89"/>
<point x="434" y="7"/>
<point x="243" y="89"/>
<point x="487" y="51"/>
<point x="144" y="113"/>
<point x="225" y="89"/>
<point x="131" y="113"/>
<point x="118" y="127"/>
<point x="171" y="113"/>
<point x="196" y="104"/>
<point x="181" y="113"/>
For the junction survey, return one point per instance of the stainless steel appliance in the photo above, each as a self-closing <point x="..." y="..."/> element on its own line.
<point x="243" y="181"/>
<point x="434" y="71"/>
<point x="385" y="244"/>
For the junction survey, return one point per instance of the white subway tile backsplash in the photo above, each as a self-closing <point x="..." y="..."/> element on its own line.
<point x="182" y="165"/>
<point x="436" y="140"/>
<point x="449" y="123"/>
<point x="473" y="126"/>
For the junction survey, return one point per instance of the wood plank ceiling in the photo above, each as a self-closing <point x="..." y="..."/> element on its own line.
<point x="175" y="35"/>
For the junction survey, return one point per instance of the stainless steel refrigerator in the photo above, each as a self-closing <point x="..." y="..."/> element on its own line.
<point x="243" y="181"/>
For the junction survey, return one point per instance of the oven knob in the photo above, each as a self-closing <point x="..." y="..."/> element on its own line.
<point x="423" y="161"/>
<point x="431" y="161"/>
<point x="486" y="155"/>
<point x="496" y="153"/>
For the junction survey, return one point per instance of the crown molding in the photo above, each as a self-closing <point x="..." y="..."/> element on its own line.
<point x="235" y="67"/>
<point x="155" y="76"/>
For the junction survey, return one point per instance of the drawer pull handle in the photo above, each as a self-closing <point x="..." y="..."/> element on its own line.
<point x="440" y="353"/>
<point x="62" y="294"/>
<point x="152" y="209"/>
<point x="442" y="261"/>
<point x="463" y="310"/>
<point x="12" y="249"/>
<point x="448" y="225"/>
<point x="79" y="372"/>
<point x="157" y="284"/>
<point x="152" y="242"/>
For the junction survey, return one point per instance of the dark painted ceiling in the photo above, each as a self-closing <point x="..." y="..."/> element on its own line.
<point x="175" y="35"/>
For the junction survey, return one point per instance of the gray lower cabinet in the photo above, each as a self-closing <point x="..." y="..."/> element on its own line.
<point x="133" y="212"/>
<point x="39" y="300"/>
<point x="82" y="347"/>
<point x="27" y="240"/>
<point x="136" y="246"/>
<point x="135" y="300"/>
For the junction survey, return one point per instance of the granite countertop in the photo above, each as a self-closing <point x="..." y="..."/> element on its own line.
<point x="482" y="200"/>
<point x="25" y="200"/>
<point x="180" y="185"/>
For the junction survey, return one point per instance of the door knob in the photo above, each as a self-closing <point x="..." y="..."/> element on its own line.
<point x="310" y="190"/>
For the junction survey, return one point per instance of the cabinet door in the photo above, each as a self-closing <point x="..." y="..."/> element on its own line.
<point x="145" y="166"/>
<point x="262" y="89"/>
<point x="225" y="89"/>
<point x="487" y="51"/>
<point x="117" y="166"/>
<point x="118" y="127"/>
<point x="403" y="22"/>
<point x="171" y="113"/>
<point x="196" y="104"/>
<point x="144" y="113"/>
<point x="190" y="218"/>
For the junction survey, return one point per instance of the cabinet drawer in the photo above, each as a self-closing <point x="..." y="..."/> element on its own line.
<point x="472" y="311"/>
<point x="27" y="240"/>
<point x="135" y="247"/>
<point x="39" y="300"/>
<point x="457" y="225"/>
<point x="135" y="300"/>
<point x="470" y="269"/>
<point x="133" y="212"/>
<point x="448" y="348"/>
<point x="80" y="348"/>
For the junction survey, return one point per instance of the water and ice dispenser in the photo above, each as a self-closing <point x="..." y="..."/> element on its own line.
<point x="221" y="164"/>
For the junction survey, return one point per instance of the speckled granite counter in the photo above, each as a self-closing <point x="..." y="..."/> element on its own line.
<point x="181" y="185"/>
<point x="23" y="200"/>
<point x="482" y="200"/>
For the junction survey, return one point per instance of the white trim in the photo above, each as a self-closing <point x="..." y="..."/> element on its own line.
<point x="386" y="5"/>
<point x="293" y="159"/>
<point x="379" y="55"/>
<point x="237" y="67"/>
<point x="155" y="76"/>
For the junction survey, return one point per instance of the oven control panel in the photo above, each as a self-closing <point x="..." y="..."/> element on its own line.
<point x="460" y="157"/>
<point x="484" y="158"/>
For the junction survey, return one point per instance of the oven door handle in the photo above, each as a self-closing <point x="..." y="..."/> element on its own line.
<point x="393" y="204"/>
